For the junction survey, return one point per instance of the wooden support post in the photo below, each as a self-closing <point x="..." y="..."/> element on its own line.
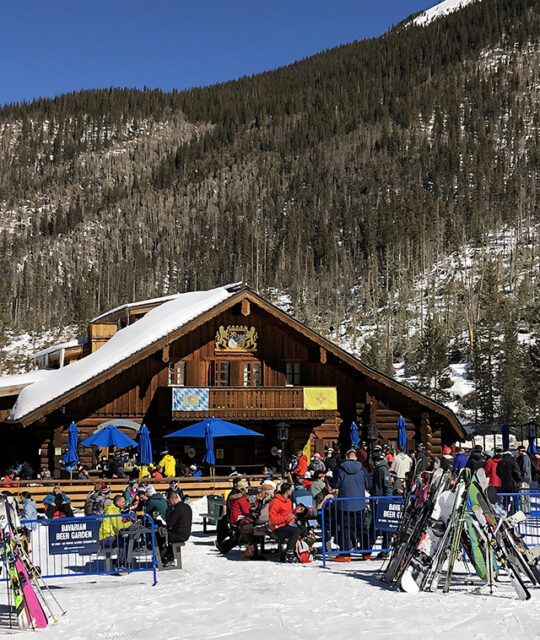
<point x="165" y="353"/>
<point x="246" y="307"/>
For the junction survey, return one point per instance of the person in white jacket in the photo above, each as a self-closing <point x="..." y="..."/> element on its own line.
<point x="402" y="464"/>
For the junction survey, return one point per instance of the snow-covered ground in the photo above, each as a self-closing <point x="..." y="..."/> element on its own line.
<point x="217" y="597"/>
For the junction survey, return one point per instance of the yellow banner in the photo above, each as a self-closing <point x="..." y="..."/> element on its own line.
<point x="320" y="398"/>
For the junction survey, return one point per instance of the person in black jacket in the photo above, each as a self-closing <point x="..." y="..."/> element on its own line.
<point x="179" y="517"/>
<point x="509" y="473"/>
<point x="476" y="459"/>
<point x="382" y="481"/>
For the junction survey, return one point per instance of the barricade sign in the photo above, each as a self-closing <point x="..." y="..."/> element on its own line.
<point x="92" y="545"/>
<point x="388" y="514"/>
<point x="73" y="537"/>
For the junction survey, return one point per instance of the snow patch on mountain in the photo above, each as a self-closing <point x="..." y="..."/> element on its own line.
<point x="440" y="10"/>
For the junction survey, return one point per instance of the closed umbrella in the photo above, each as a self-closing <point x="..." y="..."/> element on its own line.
<point x="72" y="457"/>
<point x="505" y="430"/>
<point x="109" y="436"/>
<point x="401" y="424"/>
<point x="532" y="438"/>
<point x="144" y="454"/>
<point x="354" y="435"/>
<point x="209" y="456"/>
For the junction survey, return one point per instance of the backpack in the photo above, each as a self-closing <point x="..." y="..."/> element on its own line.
<point x="89" y="503"/>
<point x="303" y="551"/>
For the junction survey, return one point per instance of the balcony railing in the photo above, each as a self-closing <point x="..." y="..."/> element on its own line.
<point x="256" y="402"/>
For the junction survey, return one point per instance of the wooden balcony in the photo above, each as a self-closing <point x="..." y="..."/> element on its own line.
<point x="261" y="403"/>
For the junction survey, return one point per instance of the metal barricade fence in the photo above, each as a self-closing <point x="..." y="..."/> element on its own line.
<point x="529" y="503"/>
<point x="93" y="545"/>
<point x="359" y="525"/>
<point x="366" y="525"/>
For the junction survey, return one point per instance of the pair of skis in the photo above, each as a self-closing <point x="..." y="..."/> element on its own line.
<point x="28" y="607"/>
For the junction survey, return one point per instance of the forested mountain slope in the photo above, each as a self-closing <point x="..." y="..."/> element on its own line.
<point x="340" y="181"/>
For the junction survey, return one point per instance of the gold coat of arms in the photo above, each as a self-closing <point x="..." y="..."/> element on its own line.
<point x="239" y="339"/>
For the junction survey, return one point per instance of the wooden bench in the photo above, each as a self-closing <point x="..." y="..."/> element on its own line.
<point x="216" y="510"/>
<point x="177" y="555"/>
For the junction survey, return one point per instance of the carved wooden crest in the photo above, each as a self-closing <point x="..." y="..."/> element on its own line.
<point x="236" y="339"/>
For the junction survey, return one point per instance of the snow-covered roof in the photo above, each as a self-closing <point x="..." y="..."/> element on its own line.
<point x="155" y="325"/>
<point x="56" y="347"/>
<point x="440" y="10"/>
<point x="12" y="384"/>
<point x="141" y="303"/>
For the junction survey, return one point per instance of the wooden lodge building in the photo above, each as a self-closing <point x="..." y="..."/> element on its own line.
<point x="227" y="353"/>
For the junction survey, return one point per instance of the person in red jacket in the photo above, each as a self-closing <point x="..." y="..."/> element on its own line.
<point x="239" y="505"/>
<point x="491" y="469"/>
<point x="301" y="465"/>
<point x="283" y="521"/>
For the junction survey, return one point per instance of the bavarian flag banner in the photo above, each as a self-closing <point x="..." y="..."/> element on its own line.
<point x="320" y="398"/>
<point x="190" y="399"/>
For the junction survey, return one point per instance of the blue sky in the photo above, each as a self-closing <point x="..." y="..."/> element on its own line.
<point x="55" y="46"/>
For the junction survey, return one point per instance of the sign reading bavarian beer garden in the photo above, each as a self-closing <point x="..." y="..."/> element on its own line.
<point x="236" y="339"/>
<point x="73" y="537"/>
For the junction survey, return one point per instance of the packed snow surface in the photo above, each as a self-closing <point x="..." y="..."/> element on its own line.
<point x="155" y="325"/>
<point x="227" y="597"/>
<point x="440" y="10"/>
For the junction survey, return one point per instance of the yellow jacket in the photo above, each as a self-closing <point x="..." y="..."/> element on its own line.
<point x="111" y="526"/>
<point x="168" y="464"/>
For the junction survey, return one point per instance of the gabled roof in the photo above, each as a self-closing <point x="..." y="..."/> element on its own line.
<point x="164" y="324"/>
<point x="63" y="384"/>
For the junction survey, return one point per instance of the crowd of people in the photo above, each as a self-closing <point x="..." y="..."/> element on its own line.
<point x="287" y="511"/>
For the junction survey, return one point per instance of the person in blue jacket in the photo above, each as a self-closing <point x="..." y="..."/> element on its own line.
<point x="351" y="480"/>
<point x="57" y="501"/>
<point x="28" y="510"/>
<point x="460" y="461"/>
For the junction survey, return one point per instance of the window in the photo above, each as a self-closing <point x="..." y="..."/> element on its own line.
<point x="252" y="374"/>
<point x="177" y="373"/>
<point x="222" y="377"/>
<point x="293" y="373"/>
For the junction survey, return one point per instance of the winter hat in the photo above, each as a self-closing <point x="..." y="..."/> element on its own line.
<point x="150" y="490"/>
<point x="268" y="485"/>
<point x="522" y="448"/>
<point x="446" y="451"/>
<point x="308" y="475"/>
<point x="317" y="455"/>
<point x="242" y="484"/>
<point x="193" y="467"/>
<point x="105" y="489"/>
<point x="164" y="452"/>
<point x="477" y="448"/>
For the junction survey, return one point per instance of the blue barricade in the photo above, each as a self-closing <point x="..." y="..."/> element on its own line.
<point x="359" y="525"/>
<point x="529" y="503"/>
<point x="93" y="545"/>
<point x="366" y="525"/>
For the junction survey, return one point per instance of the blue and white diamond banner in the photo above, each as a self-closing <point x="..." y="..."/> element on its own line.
<point x="190" y="399"/>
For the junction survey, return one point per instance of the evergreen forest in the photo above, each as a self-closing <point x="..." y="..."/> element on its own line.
<point x="385" y="191"/>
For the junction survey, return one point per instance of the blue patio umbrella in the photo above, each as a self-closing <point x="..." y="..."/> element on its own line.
<point x="354" y="435"/>
<point x="220" y="428"/>
<point x="71" y="456"/>
<point x="532" y="438"/>
<point x="209" y="456"/>
<point x="109" y="436"/>
<point x="505" y="430"/>
<point x="209" y="429"/>
<point x="144" y="454"/>
<point x="401" y="424"/>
